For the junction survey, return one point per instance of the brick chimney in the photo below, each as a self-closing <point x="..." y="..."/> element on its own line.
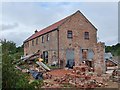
<point x="36" y="31"/>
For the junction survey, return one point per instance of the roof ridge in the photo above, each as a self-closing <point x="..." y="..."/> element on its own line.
<point x="69" y="17"/>
<point x="66" y="18"/>
<point x="46" y="27"/>
<point x="61" y="20"/>
<point x="52" y="26"/>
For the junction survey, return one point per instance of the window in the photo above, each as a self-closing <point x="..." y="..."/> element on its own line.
<point x="42" y="39"/>
<point x="48" y="37"/>
<point x="86" y="35"/>
<point x="36" y="41"/>
<point x="27" y="44"/>
<point x="69" y="34"/>
<point x="32" y="42"/>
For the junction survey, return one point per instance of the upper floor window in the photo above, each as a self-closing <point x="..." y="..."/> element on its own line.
<point x="36" y="41"/>
<point x="28" y="44"/>
<point x="69" y="34"/>
<point x="32" y="42"/>
<point x="86" y="35"/>
<point x="48" y="37"/>
<point x="42" y="39"/>
<point x="25" y="45"/>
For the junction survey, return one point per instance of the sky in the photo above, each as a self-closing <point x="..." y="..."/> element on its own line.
<point x="19" y="20"/>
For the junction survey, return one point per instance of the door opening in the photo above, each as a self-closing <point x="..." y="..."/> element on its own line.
<point x="45" y="56"/>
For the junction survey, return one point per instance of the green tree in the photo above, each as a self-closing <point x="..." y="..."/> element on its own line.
<point x="12" y="78"/>
<point x="8" y="47"/>
<point x="114" y="49"/>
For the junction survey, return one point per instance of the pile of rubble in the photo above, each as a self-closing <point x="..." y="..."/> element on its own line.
<point x="33" y="65"/>
<point x="116" y="75"/>
<point x="79" y="76"/>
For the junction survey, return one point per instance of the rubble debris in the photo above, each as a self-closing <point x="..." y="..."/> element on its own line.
<point x="16" y="67"/>
<point x="31" y="56"/>
<point x="79" y="77"/>
<point x="43" y="65"/>
<point x="70" y="63"/>
<point x="36" y="75"/>
<point x="116" y="75"/>
<point x="50" y="84"/>
<point x="47" y="76"/>
<point x="54" y="63"/>
<point x="25" y="70"/>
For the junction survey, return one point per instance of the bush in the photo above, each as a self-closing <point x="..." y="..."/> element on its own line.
<point x="37" y="83"/>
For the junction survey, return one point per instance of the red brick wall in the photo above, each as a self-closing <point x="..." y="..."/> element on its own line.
<point x="51" y="46"/>
<point x="99" y="62"/>
<point x="78" y="25"/>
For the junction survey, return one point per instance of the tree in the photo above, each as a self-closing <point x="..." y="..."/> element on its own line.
<point x="114" y="49"/>
<point x="12" y="78"/>
<point x="8" y="47"/>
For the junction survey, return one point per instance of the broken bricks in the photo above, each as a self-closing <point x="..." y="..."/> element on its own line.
<point x="79" y="77"/>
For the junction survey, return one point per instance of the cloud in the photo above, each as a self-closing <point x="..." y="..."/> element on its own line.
<point x="9" y="26"/>
<point x="110" y="40"/>
<point x="18" y="38"/>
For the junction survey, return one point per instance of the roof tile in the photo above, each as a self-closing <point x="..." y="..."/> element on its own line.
<point x="47" y="29"/>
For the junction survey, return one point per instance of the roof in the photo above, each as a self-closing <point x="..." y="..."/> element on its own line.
<point x="53" y="27"/>
<point x="47" y="29"/>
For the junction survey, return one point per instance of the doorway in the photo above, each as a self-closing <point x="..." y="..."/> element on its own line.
<point x="45" y="56"/>
<point x="70" y="58"/>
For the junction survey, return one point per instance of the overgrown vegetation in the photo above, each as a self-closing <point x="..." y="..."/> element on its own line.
<point x="12" y="78"/>
<point x="114" y="49"/>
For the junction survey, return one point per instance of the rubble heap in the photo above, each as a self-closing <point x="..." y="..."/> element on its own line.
<point x="79" y="77"/>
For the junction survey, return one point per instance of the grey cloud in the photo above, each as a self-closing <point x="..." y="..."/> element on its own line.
<point x="9" y="26"/>
<point x="17" y="37"/>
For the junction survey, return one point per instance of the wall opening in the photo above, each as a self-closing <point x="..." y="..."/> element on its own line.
<point x="45" y="56"/>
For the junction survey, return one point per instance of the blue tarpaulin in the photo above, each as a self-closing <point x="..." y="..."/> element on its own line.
<point x="36" y="75"/>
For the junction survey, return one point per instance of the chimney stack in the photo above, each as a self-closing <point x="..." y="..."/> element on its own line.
<point x="36" y="31"/>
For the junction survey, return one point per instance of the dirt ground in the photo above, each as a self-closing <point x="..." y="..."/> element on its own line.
<point x="59" y="72"/>
<point x="112" y="84"/>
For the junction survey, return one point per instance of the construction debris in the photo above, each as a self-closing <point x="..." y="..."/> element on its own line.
<point x="79" y="77"/>
<point x="43" y="65"/>
<point x="36" y="75"/>
<point x="116" y="75"/>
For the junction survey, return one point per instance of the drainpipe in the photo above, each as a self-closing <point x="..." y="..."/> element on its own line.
<point x="58" y="47"/>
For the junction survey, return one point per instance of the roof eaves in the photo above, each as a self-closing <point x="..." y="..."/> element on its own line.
<point x="38" y="35"/>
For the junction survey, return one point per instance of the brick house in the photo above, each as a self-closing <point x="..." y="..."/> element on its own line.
<point x="69" y="40"/>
